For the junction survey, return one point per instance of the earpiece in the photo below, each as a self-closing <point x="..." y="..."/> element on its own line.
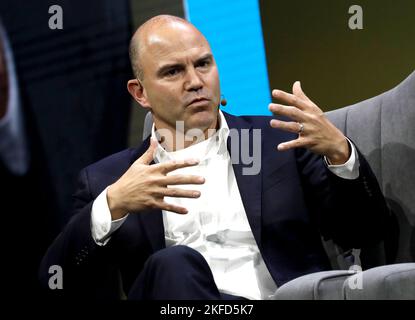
<point x="223" y="101"/>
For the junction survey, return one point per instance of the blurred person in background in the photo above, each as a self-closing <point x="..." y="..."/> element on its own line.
<point x="61" y="94"/>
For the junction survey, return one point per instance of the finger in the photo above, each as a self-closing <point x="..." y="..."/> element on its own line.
<point x="290" y="99"/>
<point x="297" y="143"/>
<point x="175" y="179"/>
<point x="148" y="156"/>
<point x="179" y="193"/>
<point x="298" y="91"/>
<point x="171" y="207"/>
<point x="289" y="111"/>
<point x="285" y="125"/>
<point x="174" y="165"/>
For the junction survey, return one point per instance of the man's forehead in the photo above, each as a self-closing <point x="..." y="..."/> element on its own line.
<point x="172" y="33"/>
<point x="173" y="42"/>
<point x="161" y="58"/>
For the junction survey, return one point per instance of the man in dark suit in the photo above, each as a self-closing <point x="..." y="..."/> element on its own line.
<point x="176" y="227"/>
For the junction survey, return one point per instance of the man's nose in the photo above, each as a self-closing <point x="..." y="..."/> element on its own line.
<point x="193" y="80"/>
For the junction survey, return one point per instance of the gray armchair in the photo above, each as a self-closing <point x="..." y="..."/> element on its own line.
<point x="383" y="128"/>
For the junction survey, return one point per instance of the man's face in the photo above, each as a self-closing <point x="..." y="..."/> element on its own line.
<point x="181" y="81"/>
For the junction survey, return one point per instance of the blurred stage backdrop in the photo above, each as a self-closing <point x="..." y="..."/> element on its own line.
<point x="264" y="44"/>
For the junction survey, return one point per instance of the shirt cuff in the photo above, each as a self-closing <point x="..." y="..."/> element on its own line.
<point x="101" y="225"/>
<point x="348" y="170"/>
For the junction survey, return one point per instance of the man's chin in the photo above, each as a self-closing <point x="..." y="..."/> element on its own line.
<point x="202" y="119"/>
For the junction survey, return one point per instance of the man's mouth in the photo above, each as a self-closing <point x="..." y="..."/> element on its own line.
<point x="199" y="102"/>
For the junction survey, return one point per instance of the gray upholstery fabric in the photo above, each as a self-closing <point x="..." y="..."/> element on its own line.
<point x="383" y="128"/>
<point x="395" y="281"/>
<point x="325" y="285"/>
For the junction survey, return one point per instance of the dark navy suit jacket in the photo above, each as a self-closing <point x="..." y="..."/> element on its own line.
<point x="292" y="202"/>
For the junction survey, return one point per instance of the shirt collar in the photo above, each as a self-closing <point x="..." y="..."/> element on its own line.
<point x="203" y="150"/>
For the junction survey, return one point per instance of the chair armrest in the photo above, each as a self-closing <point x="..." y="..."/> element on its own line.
<point x="324" y="285"/>
<point x="390" y="282"/>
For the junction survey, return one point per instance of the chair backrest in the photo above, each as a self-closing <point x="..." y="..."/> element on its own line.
<point x="148" y="123"/>
<point x="383" y="128"/>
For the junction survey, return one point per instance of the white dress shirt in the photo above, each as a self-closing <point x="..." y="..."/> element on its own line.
<point x="216" y="224"/>
<point x="13" y="146"/>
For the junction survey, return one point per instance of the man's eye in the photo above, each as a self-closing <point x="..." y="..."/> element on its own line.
<point x="172" y="72"/>
<point x="203" y="64"/>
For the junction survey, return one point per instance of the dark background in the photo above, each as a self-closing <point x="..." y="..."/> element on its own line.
<point x="311" y="41"/>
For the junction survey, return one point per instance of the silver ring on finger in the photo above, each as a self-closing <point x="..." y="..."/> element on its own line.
<point x="301" y="129"/>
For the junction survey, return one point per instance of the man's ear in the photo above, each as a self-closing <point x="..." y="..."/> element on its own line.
<point x="137" y="91"/>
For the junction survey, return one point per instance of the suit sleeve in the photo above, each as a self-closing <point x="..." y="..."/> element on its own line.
<point x="88" y="269"/>
<point x="353" y="213"/>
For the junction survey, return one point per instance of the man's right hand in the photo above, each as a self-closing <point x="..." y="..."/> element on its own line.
<point x="144" y="186"/>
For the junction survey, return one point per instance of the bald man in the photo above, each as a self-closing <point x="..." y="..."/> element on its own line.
<point x="180" y="217"/>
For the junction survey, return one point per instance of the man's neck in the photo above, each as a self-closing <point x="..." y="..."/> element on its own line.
<point x="174" y="140"/>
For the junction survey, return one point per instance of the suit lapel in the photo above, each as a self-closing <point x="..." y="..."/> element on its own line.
<point x="152" y="220"/>
<point x="249" y="185"/>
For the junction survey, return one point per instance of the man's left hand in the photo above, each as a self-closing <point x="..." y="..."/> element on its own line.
<point x="315" y="131"/>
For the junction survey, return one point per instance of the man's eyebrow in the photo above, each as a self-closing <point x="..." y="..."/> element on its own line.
<point x="167" y="67"/>
<point x="207" y="56"/>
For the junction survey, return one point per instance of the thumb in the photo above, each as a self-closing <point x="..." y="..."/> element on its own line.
<point x="298" y="91"/>
<point x="148" y="156"/>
